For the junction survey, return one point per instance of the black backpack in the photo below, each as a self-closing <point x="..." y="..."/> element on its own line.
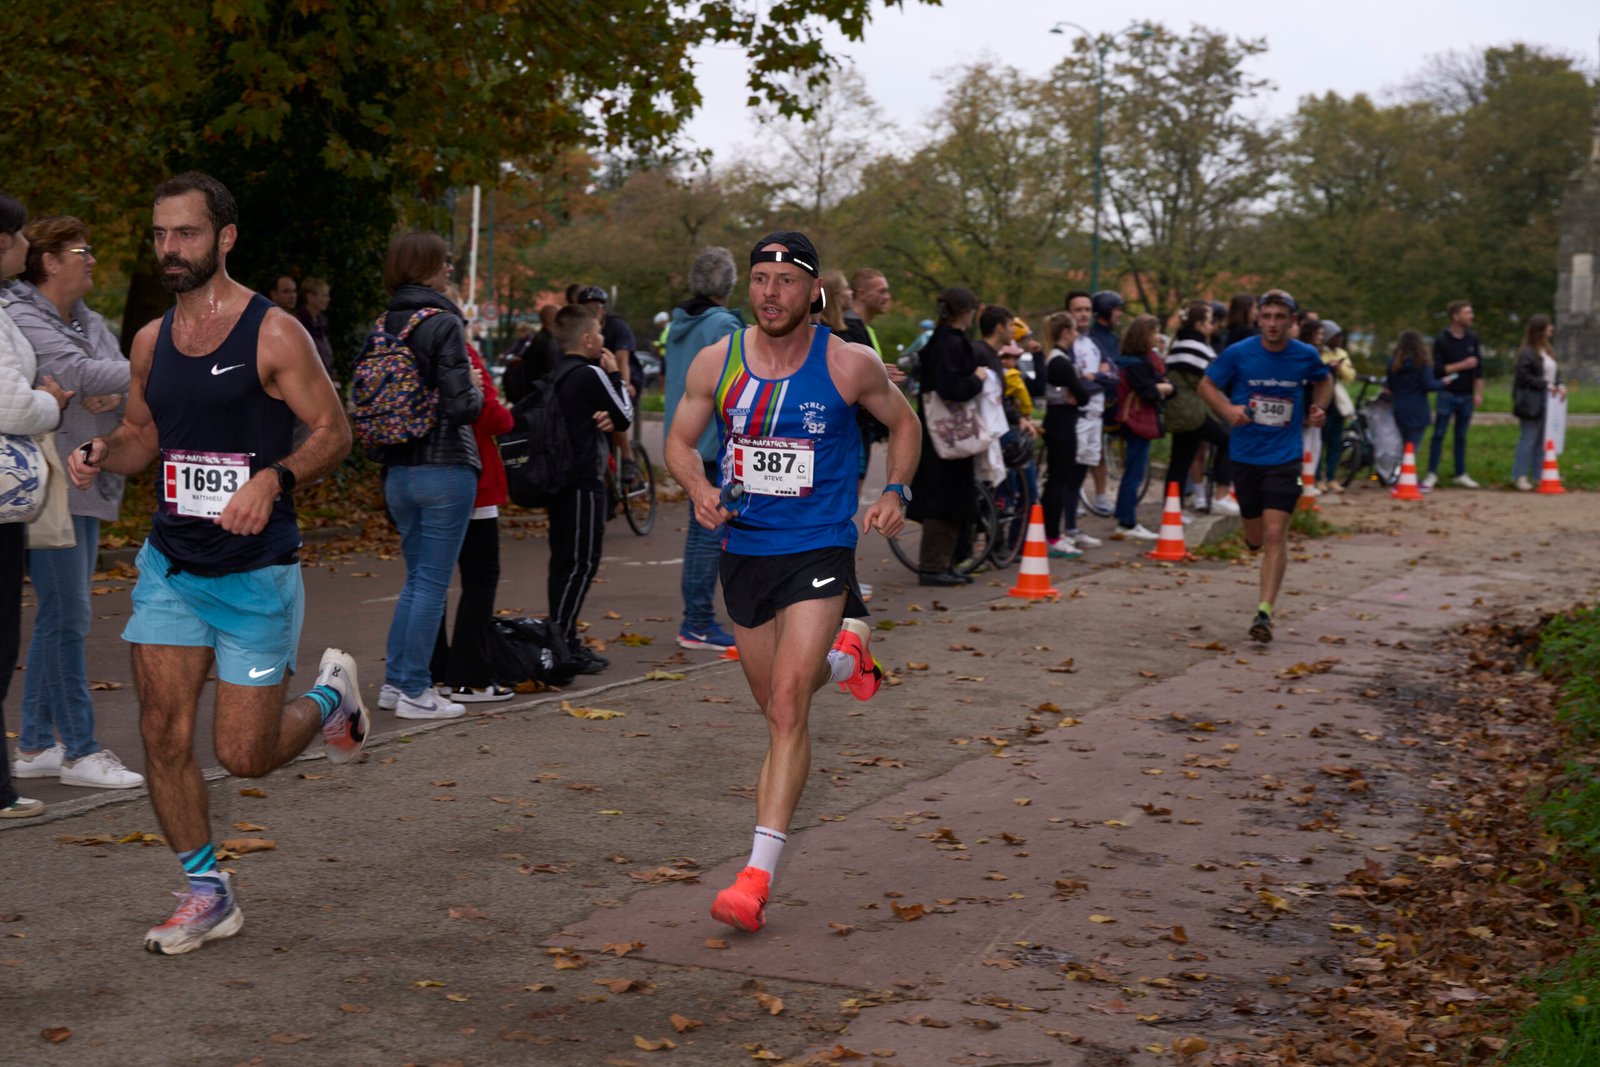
<point x="523" y="649"/>
<point x="537" y="452"/>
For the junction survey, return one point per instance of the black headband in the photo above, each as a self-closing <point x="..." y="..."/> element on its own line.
<point x="759" y="256"/>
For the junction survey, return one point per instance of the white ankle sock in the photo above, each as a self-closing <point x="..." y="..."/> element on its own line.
<point x="841" y="666"/>
<point x="766" y="849"/>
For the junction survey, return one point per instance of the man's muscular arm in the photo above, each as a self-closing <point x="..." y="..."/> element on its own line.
<point x="132" y="446"/>
<point x="689" y="421"/>
<point x="888" y="405"/>
<point x="291" y="372"/>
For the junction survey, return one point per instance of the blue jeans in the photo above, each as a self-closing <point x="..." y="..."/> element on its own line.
<point x="1137" y="458"/>
<point x="702" y="553"/>
<point x="55" y="687"/>
<point x="1529" y="460"/>
<point x="432" y="505"/>
<point x="1450" y="406"/>
<point x="1332" y="437"/>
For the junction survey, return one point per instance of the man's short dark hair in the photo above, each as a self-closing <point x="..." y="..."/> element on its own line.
<point x="13" y="216"/>
<point x="1457" y="306"/>
<point x="220" y="205"/>
<point x="992" y="318"/>
<point x="1074" y="294"/>
<point x="572" y="322"/>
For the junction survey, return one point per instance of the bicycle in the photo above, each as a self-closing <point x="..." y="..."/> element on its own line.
<point x="1113" y="448"/>
<point x="977" y="538"/>
<point x="631" y="488"/>
<point x="1358" y="448"/>
<point x="1013" y="498"/>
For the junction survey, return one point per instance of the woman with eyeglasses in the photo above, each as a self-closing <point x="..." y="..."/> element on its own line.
<point x="76" y="348"/>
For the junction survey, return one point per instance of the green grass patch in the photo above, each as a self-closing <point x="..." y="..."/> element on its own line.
<point x="1491" y="449"/>
<point x="1563" y="1028"/>
<point x="1581" y="399"/>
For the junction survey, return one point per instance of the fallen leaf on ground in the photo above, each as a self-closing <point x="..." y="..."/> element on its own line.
<point x="467" y="911"/>
<point x="620" y="949"/>
<point x="56" y="1034"/>
<point x="657" y="1045"/>
<point x="909" y="912"/>
<point x="243" y="846"/>
<point x="252" y="792"/>
<point x="683" y="1023"/>
<point x="716" y="942"/>
<point x="102" y="687"/>
<point x="590" y="713"/>
<point x="664" y="676"/>
<point x="773" y="1004"/>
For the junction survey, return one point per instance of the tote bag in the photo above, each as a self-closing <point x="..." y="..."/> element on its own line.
<point x="52" y="527"/>
<point x="968" y="427"/>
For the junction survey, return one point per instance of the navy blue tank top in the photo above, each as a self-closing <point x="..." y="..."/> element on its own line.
<point x="215" y="421"/>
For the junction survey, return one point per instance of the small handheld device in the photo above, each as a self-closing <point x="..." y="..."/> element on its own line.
<point x="733" y="497"/>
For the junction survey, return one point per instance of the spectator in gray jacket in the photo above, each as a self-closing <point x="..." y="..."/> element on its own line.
<point x="74" y="346"/>
<point x="697" y="322"/>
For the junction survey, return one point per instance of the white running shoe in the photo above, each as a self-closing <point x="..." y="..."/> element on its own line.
<point x="22" y="808"/>
<point x="428" y="705"/>
<point x="46" y="763"/>
<point x="346" y="728"/>
<point x="1222" y="505"/>
<point x="1102" y="505"/>
<point x="1430" y="480"/>
<point x="1465" y="481"/>
<point x="1523" y="485"/>
<point x="200" y="917"/>
<point x="1083" y="540"/>
<point x="1137" y="532"/>
<point x="99" y="770"/>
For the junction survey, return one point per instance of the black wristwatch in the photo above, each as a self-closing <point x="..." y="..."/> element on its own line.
<point x="286" y="478"/>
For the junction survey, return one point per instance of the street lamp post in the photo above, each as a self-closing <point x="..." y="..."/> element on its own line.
<point x="1101" y="45"/>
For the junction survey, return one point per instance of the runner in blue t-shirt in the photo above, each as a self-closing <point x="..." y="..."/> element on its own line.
<point x="1258" y="387"/>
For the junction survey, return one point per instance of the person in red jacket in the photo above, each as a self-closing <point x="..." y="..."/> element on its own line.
<point x="461" y="666"/>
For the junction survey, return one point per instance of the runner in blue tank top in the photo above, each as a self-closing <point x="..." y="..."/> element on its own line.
<point x="785" y="395"/>
<point x="217" y="384"/>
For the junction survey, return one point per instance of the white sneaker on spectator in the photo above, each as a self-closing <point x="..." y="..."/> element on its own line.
<point x="428" y="705"/>
<point x="1222" y="505"/>
<point x="1136" y="532"/>
<point x="389" y="696"/>
<point x="1465" y="481"/>
<point x="46" y="763"/>
<point x="22" y="808"/>
<point x="1083" y="540"/>
<point x="100" y="770"/>
<point x="1523" y="485"/>
<point x="1102" y="505"/>
<point x="1430" y="480"/>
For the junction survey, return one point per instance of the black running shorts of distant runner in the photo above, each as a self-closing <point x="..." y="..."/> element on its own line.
<point x="755" y="587"/>
<point x="1262" y="487"/>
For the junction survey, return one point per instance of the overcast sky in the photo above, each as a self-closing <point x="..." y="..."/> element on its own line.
<point x="1348" y="46"/>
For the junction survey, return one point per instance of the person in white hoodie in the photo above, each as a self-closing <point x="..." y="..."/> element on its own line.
<point x="29" y="405"/>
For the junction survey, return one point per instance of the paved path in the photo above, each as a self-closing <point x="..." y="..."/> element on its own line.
<point x="473" y="893"/>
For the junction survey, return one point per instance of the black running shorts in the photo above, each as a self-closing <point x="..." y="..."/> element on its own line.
<point x="755" y="587"/>
<point x="1259" y="488"/>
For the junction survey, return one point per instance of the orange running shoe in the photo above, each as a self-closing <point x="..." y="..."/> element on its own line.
<point x="743" y="904"/>
<point x="855" y="640"/>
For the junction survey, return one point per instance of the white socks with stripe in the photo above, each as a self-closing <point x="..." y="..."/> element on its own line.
<point x="766" y="849"/>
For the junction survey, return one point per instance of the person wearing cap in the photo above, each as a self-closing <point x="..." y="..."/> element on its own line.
<point x="616" y="337"/>
<point x="1257" y="387"/>
<point x="1343" y="369"/>
<point x="784" y="395"/>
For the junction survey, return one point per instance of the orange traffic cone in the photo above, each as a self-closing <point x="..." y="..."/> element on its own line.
<point x="1308" y="485"/>
<point x="1033" y="579"/>
<point x="1406" y="487"/>
<point x="1170" y="547"/>
<point x="1550" y="477"/>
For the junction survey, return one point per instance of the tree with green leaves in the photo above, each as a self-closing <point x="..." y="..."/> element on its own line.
<point x="335" y="120"/>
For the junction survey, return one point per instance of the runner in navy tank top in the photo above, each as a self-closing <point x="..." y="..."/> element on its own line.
<point x="216" y="387"/>
<point x="785" y="396"/>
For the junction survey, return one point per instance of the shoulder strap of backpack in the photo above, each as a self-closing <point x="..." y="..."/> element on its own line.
<point x="416" y="320"/>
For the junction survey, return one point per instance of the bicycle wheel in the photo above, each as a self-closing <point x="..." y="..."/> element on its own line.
<point x="1012" y="504"/>
<point x="977" y="540"/>
<point x="638" y="491"/>
<point x="1353" y="455"/>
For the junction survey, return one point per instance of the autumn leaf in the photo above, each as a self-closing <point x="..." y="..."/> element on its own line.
<point x="1190" y="1046"/>
<point x="354" y="1009"/>
<point x="590" y="713"/>
<point x="467" y="911"/>
<point x="459" y="998"/>
<point x="426" y="983"/>
<point x="909" y="912"/>
<point x="683" y="1024"/>
<point x="1101" y="919"/>
<point x="620" y="949"/>
<point x="248" y="827"/>
<point x="664" y="676"/>
<point x="636" y="640"/>
<point x="243" y="846"/>
<point x="55" y="1034"/>
<point x="842" y="929"/>
<point x="772" y="1004"/>
<point x="102" y="687"/>
<point x="716" y="942"/>
<point x="653" y="1046"/>
<point x="1272" y="900"/>
<point x="252" y="792"/>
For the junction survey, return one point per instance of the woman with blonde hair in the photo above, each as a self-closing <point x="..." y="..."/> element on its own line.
<point x="836" y="296"/>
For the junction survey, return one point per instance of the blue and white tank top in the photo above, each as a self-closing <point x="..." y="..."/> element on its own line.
<point x="793" y="444"/>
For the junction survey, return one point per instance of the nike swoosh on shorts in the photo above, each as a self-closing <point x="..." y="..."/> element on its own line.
<point x="818" y="583"/>
<point x="254" y="673"/>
